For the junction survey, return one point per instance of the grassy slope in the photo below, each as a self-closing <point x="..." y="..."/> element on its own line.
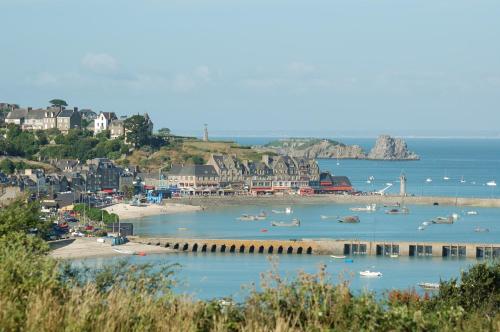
<point x="181" y="152"/>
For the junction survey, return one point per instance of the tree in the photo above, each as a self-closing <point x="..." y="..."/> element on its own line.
<point x="21" y="216"/>
<point x="7" y="166"/>
<point x="137" y="131"/>
<point x="58" y="102"/>
<point x="164" y="132"/>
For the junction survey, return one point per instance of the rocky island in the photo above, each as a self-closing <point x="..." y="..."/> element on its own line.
<point x="386" y="148"/>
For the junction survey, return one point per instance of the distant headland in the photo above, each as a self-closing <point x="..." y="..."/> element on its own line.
<point x="385" y="148"/>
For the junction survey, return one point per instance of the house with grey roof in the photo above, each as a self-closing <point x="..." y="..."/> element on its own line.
<point x="17" y="116"/>
<point x="34" y="119"/>
<point x="196" y="179"/>
<point x="68" y="119"/>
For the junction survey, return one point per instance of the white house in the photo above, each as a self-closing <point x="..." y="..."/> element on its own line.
<point x="103" y="121"/>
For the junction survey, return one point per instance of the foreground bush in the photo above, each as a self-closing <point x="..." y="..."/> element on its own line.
<point x="39" y="294"/>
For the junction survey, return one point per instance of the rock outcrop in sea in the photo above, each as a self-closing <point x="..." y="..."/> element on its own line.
<point x="386" y="148"/>
<point x="389" y="148"/>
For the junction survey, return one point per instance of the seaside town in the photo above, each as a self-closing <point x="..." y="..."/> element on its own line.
<point x="99" y="182"/>
<point x="249" y="166"/>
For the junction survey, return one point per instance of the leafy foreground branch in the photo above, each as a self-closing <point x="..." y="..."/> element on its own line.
<point x="38" y="293"/>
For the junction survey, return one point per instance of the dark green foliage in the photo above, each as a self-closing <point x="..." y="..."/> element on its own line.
<point x="197" y="160"/>
<point x="137" y="131"/>
<point x="58" y="102"/>
<point x="21" y="216"/>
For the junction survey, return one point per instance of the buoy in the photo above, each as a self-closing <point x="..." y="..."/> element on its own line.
<point x="263" y="230"/>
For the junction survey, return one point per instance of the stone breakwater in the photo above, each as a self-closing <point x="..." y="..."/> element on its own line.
<point x="208" y="202"/>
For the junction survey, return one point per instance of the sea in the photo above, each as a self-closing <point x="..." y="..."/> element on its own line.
<point x="467" y="165"/>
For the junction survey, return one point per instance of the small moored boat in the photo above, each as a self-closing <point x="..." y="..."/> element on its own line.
<point x="337" y="257"/>
<point x="349" y="219"/>
<point x="481" y="230"/>
<point x="403" y="210"/>
<point x="429" y="285"/>
<point x="124" y="251"/>
<point x="370" y="274"/>
<point x="443" y="220"/>
<point x="294" y="223"/>
<point x="368" y="208"/>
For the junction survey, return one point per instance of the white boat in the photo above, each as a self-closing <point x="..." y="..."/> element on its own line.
<point x="288" y="210"/>
<point x="443" y="220"/>
<point x="421" y="228"/>
<point x="124" y="251"/>
<point x="394" y="256"/>
<point x="429" y="285"/>
<point x="403" y="210"/>
<point x="428" y="180"/>
<point x="455" y="216"/>
<point x="472" y="213"/>
<point x="481" y="230"/>
<point x="337" y="257"/>
<point x="491" y="183"/>
<point x="446" y="178"/>
<point x="370" y="274"/>
<point x="368" y="208"/>
<point x="426" y="223"/>
<point x="294" y="223"/>
<point x="323" y="217"/>
<point x="462" y="179"/>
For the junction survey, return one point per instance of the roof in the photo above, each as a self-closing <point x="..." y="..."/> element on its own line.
<point x="66" y="113"/>
<point x="18" y="113"/>
<point x="196" y="170"/>
<point x="109" y="115"/>
<point x="37" y="114"/>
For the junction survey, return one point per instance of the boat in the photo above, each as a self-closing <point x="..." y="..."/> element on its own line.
<point x="481" y="230"/>
<point x="428" y="285"/>
<point x="337" y="257"/>
<point x="368" y="208"/>
<point x="294" y="223"/>
<point x="421" y="228"/>
<point x="462" y="179"/>
<point x="348" y="260"/>
<point x="403" y="210"/>
<point x="443" y="220"/>
<point x="349" y="219"/>
<point x="263" y="230"/>
<point x="323" y="217"/>
<point x="446" y="178"/>
<point x="394" y="256"/>
<point x="471" y="213"/>
<point x="124" y="251"/>
<point x="182" y="229"/>
<point x="261" y="216"/>
<point x="392" y="205"/>
<point x="428" y="180"/>
<point x="491" y="183"/>
<point x="246" y="217"/>
<point x="426" y="223"/>
<point x="370" y="274"/>
<point x="288" y="210"/>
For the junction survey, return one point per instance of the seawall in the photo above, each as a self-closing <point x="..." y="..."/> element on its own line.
<point x="214" y="201"/>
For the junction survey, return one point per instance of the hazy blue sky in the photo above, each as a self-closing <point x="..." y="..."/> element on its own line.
<point x="329" y="67"/>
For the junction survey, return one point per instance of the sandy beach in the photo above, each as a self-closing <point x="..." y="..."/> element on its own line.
<point x="126" y="211"/>
<point x="89" y="247"/>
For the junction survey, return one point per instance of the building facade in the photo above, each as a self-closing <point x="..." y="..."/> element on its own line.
<point x="103" y="121"/>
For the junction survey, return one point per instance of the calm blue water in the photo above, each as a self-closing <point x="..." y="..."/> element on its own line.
<point x="207" y="276"/>
<point x="222" y="223"/>
<point x="476" y="160"/>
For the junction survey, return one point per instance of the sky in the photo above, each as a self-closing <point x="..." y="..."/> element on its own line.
<point x="261" y="67"/>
